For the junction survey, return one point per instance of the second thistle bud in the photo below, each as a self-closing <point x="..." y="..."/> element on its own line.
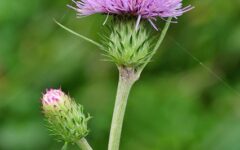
<point x="65" y="117"/>
<point x="129" y="43"/>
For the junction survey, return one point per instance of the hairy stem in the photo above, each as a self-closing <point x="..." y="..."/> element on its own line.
<point x="83" y="144"/>
<point x="127" y="77"/>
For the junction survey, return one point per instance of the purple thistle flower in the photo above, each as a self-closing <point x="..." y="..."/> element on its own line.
<point x="147" y="9"/>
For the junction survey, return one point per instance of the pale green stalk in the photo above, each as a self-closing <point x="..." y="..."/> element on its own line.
<point x="83" y="144"/>
<point x="127" y="77"/>
<point x="64" y="146"/>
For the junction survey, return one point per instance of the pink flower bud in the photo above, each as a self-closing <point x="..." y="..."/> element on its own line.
<point x="53" y="97"/>
<point x="65" y="117"/>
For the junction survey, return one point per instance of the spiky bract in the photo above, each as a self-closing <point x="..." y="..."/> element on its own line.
<point x="126" y="45"/>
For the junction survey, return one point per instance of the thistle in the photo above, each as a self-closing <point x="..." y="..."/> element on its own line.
<point x="129" y="43"/>
<point x="65" y="117"/>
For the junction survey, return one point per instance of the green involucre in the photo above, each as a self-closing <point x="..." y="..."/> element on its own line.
<point x="127" y="45"/>
<point x="67" y="120"/>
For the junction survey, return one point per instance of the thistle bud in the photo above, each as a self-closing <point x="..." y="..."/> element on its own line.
<point x="64" y="116"/>
<point x="129" y="43"/>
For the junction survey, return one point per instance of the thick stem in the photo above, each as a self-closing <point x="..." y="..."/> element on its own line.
<point x="65" y="146"/>
<point x="127" y="78"/>
<point x="83" y="144"/>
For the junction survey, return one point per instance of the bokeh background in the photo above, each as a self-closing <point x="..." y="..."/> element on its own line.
<point x="187" y="98"/>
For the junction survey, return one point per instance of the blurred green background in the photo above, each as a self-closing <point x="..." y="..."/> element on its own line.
<point x="177" y="105"/>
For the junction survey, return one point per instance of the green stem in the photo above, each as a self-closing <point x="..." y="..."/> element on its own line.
<point x="83" y="144"/>
<point x="65" y="146"/>
<point x="127" y="77"/>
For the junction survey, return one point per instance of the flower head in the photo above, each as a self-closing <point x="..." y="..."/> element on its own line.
<point x="148" y="9"/>
<point x="64" y="116"/>
<point x="126" y="46"/>
<point x="129" y="43"/>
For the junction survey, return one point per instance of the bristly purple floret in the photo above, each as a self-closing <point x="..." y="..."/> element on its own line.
<point x="147" y="9"/>
<point x="52" y="97"/>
